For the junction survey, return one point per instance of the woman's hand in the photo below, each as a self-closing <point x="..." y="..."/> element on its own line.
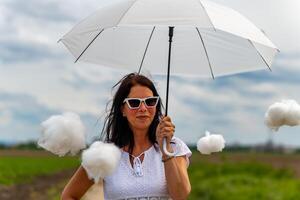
<point x="165" y="129"/>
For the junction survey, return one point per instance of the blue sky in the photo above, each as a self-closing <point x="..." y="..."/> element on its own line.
<point x="38" y="77"/>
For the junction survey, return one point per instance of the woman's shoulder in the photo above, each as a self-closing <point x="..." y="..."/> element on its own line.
<point x="180" y="146"/>
<point x="176" y="139"/>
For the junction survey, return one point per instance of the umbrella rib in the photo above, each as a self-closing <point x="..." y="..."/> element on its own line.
<point x="260" y="55"/>
<point x="278" y="50"/>
<point x="207" y="15"/>
<point x="146" y="50"/>
<point x="126" y="12"/>
<point x="89" y="45"/>
<point x="211" y="71"/>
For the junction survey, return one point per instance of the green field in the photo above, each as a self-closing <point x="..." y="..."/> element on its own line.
<point x="244" y="177"/>
<point x="232" y="176"/>
<point x="22" y="169"/>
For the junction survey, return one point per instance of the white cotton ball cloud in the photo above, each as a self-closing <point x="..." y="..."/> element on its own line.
<point x="100" y="160"/>
<point x="63" y="134"/>
<point x="285" y="112"/>
<point x="210" y="143"/>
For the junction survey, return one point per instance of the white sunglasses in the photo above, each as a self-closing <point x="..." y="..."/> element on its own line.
<point x="135" y="103"/>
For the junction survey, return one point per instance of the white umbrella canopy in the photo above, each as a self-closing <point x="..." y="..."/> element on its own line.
<point x="206" y="39"/>
<point x="209" y="39"/>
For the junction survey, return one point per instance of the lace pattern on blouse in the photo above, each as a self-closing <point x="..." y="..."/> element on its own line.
<point x="144" y="180"/>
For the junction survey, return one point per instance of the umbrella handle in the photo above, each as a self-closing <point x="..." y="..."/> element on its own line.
<point x="165" y="149"/>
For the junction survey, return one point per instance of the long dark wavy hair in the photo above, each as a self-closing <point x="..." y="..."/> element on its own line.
<point x="116" y="127"/>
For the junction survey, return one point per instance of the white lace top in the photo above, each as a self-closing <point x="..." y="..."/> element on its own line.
<point x="146" y="180"/>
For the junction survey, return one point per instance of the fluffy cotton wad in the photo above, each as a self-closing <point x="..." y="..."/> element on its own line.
<point x="100" y="160"/>
<point x="210" y="143"/>
<point x="62" y="134"/>
<point x="285" y="112"/>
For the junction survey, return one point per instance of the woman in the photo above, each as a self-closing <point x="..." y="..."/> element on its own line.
<point x="136" y="125"/>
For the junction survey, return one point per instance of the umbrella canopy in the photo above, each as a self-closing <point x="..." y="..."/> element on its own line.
<point x="209" y="39"/>
<point x="206" y="39"/>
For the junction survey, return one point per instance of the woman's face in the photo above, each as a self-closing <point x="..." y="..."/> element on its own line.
<point x="141" y="118"/>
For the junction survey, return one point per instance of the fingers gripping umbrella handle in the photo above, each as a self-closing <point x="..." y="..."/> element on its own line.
<point x="165" y="149"/>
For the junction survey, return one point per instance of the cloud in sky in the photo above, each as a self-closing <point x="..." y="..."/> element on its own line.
<point x="5" y="117"/>
<point x="21" y="115"/>
<point x="38" y="77"/>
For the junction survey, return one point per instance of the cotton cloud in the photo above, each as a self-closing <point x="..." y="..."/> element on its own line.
<point x="285" y="112"/>
<point x="62" y="134"/>
<point x="210" y="143"/>
<point x="100" y="160"/>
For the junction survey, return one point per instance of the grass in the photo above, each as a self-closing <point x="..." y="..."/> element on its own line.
<point x="247" y="180"/>
<point x="18" y="169"/>
<point x="234" y="176"/>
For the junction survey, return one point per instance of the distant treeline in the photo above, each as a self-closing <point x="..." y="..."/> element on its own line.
<point x="30" y="145"/>
<point x="256" y="148"/>
<point x="229" y="148"/>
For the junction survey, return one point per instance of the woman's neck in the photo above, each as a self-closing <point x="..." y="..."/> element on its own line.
<point x="141" y="142"/>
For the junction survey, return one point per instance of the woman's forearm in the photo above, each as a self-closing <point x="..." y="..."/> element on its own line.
<point x="77" y="186"/>
<point x="64" y="198"/>
<point x="178" y="183"/>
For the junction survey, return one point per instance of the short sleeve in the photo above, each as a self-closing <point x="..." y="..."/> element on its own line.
<point x="181" y="148"/>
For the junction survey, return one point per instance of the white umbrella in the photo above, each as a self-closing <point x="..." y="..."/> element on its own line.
<point x="206" y="39"/>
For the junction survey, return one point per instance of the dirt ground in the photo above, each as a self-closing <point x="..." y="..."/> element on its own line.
<point x="43" y="187"/>
<point x="46" y="188"/>
<point x="35" y="190"/>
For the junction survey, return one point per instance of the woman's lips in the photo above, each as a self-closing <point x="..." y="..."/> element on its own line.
<point x="142" y="117"/>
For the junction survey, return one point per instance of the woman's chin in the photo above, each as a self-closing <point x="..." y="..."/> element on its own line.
<point x="142" y="125"/>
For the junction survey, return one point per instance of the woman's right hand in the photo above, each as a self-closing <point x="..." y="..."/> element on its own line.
<point x="165" y="129"/>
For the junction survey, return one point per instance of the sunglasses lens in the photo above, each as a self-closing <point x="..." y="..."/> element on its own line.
<point x="134" y="103"/>
<point x="151" y="101"/>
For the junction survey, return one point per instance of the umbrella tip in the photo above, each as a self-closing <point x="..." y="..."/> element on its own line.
<point x="270" y="69"/>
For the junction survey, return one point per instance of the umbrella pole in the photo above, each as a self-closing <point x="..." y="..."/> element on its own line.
<point x="171" y="30"/>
